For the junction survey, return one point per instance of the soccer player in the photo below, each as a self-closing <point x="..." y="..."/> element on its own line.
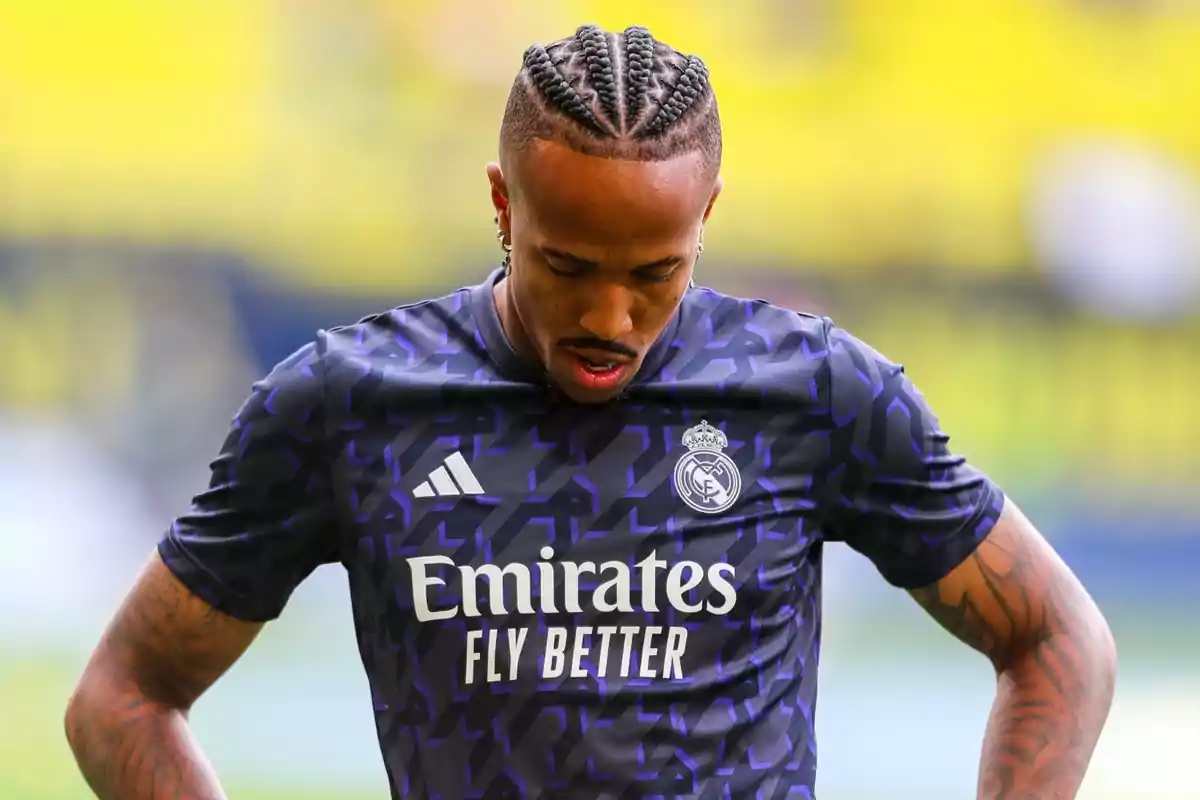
<point x="582" y="504"/>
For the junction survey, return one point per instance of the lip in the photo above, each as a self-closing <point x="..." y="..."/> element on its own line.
<point x="600" y="356"/>
<point x="598" y="384"/>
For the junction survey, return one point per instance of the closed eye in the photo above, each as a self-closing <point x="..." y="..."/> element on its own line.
<point x="655" y="276"/>
<point x="565" y="265"/>
<point x="566" y="272"/>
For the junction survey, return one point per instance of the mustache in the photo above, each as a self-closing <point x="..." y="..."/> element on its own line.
<point x="584" y="343"/>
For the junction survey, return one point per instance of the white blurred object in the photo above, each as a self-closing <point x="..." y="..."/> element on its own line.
<point x="1118" y="228"/>
<point x="73" y="532"/>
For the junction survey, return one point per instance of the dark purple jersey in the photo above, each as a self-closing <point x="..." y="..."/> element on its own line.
<point x="567" y="601"/>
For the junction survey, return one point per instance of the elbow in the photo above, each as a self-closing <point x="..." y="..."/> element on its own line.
<point x="106" y="699"/>
<point x="1083" y="653"/>
<point x="1096" y="687"/>
<point x="1078" y="657"/>
<point x="1088" y="642"/>
<point x="1104" y="657"/>
<point x="1092" y="638"/>
<point x="82" y="711"/>
<point x="75" y="721"/>
<point x="94" y="707"/>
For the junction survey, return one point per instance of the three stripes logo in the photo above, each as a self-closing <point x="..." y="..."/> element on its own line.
<point x="451" y="479"/>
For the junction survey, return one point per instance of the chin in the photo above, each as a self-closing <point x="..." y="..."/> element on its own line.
<point x="578" y="394"/>
<point x="582" y="385"/>
<point x="584" y="395"/>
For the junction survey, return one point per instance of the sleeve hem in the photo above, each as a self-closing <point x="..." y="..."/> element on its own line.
<point x="957" y="548"/>
<point x="204" y="584"/>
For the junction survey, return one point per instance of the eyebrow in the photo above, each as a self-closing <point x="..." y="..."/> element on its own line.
<point x="585" y="263"/>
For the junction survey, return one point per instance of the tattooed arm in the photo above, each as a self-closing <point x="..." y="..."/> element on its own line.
<point x="223" y="569"/>
<point x="1016" y="602"/>
<point x="939" y="527"/>
<point x="127" y="719"/>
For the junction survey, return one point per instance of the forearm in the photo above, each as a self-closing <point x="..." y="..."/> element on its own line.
<point x="1050" y="708"/>
<point x="131" y="748"/>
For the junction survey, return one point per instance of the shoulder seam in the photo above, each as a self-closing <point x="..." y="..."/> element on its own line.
<point x="371" y="318"/>
<point x="826" y="324"/>
<point x="322" y="372"/>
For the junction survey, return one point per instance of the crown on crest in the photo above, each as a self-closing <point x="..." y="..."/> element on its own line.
<point x="704" y="437"/>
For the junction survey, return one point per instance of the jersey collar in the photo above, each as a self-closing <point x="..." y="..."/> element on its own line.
<point x="514" y="367"/>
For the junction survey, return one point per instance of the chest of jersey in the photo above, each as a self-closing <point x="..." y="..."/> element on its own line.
<point x="625" y="522"/>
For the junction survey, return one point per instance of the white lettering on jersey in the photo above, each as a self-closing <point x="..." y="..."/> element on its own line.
<point x="495" y="591"/>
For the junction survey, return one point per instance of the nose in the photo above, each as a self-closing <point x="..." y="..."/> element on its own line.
<point x="609" y="313"/>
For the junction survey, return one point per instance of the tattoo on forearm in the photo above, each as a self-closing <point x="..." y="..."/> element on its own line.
<point x="1038" y="627"/>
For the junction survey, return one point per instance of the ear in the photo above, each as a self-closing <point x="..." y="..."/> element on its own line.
<point x="718" y="185"/>
<point x="500" y="200"/>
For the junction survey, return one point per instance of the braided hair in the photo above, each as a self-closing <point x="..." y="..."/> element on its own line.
<point x="621" y="95"/>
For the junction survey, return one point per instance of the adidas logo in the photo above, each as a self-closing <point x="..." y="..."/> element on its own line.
<point x="441" y="481"/>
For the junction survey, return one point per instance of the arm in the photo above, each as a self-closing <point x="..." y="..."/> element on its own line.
<point x="939" y="528"/>
<point x="127" y="719"/>
<point x="1016" y="602"/>
<point x="223" y="569"/>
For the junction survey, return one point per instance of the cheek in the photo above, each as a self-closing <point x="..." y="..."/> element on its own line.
<point x="660" y="309"/>
<point x="539" y="305"/>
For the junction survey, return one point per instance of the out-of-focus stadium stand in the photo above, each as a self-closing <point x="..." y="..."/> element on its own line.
<point x="1001" y="195"/>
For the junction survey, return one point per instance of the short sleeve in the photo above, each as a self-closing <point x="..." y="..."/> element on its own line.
<point x="905" y="500"/>
<point x="265" y="522"/>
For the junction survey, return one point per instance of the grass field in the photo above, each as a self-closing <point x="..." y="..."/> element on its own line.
<point x="1154" y="724"/>
<point x="35" y="763"/>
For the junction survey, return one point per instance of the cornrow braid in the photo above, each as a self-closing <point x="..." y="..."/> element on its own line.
<point x="558" y="91"/>
<point x="597" y="56"/>
<point x="688" y="89"/>
<point x="639" y="65"/>
<point x="624" y="96"/>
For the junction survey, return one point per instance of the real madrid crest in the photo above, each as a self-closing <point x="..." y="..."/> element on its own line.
<point x="707" y="479"/>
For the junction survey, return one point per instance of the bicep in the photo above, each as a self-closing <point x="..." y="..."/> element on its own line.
<point x="1011" y="594"/>
<point x="167" y="642"/>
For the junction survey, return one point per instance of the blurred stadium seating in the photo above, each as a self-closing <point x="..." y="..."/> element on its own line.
<point x="1004" y="196"/>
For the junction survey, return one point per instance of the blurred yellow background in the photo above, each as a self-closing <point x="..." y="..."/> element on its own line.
<point x="1004" y="196"/>
<point x="301" y="130"/>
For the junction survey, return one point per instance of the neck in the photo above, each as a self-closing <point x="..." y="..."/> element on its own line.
<point x="510" y="321"/>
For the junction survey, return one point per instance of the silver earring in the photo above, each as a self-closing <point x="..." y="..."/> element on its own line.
<point x="505" y="246"/>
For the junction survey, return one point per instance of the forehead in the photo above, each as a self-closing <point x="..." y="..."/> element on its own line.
<point x="606" y="201"/>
